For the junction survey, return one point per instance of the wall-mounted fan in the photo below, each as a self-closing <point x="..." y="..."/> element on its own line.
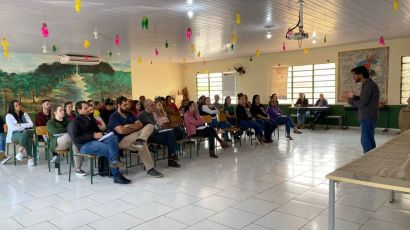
<point x="239" y="68"/>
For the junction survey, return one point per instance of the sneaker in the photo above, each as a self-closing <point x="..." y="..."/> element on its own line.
<point x="154" y="173"/>
<point x="120" y="180"/>
<point x="225" y="145"/>
<point x="138" y="144"/>
<point x="261" y="139"/>
<point x="213" y="155"/>
<point x="289" y="137"/>
<point x="125" y="179"/>
<point x="54" y="159"/>
<point x="5" y="160"/>
<point x="297" y="131"/>
<point x="19" y="156"/>
<point x="30" y="162"/>
<point x="80" y="172"/>
<point x="173" y="164"/>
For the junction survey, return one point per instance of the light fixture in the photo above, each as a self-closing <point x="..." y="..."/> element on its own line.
<point x="95" y="33"/>
<point x="314" y="41"/>
<point x="190" y="13"/>
<point x="269" y="35"/>
<point x="314" y="34"/>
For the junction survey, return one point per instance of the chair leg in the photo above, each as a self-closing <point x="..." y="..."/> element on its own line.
<point x="69" y="171"/>
<point x="59" y="164"/>
<point x="190" y="150"/>
<point x="91" y="170"/>
<point x="48" y="162"/>
<point x="14" y="152"/>
<point x="126" y="162"/>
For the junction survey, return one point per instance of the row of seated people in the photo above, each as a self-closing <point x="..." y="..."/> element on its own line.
<point x="302" y="114"/>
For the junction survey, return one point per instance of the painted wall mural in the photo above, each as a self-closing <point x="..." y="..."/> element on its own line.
<point x="31" y="78"/>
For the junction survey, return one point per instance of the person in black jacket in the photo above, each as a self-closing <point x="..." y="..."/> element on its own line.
<point x="302" y="113"/>
<point x="85" y="134"/>
<point x="259" y="113"/>
<point x="245" y="120"/>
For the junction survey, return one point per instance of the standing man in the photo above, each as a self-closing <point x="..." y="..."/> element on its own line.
<point x="368" y="105"/>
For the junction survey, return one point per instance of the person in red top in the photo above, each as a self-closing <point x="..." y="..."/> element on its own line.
<point x="196" y="127"/>
<point x="170" y="105"/>
<point x="45" y="114"/>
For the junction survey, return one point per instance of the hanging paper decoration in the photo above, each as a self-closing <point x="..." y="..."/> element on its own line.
<point x="250" y="58"/>
<point x="77" y="5"/>
<point x="139" y="60"/>
<point x="234" y="38"/>
<point x="6" y="53"/>
<point x="238" y="17"/>
<point x="284" y="47"/>
<point x="145" y="23"/>
<point x="117" y="40"/>
<point x="86" y="43"/>
<point x="156" y="52"/>
<point x="44" y="49"/>
<point x="231" y="46"/>
<point x="193" y="48"/>
<point x="199" y="54"/>
<point x="396" y="5"/>
<point x="325" y="39"/>
<point x="151" y="61"/>
<point x="188" y="34"/>
<point x="54" y="48"/>
<point x="166" y="44"/>
<point x="306" y="51"/>
<point x="44" y="30"/>
<point x="258" y="53"/>
<point x="110" y="54"/>
<point x="95" y="33"/>
<point x="86" y="58"/>
<point x="381" y="41"/>
<point x="5" y="43"/>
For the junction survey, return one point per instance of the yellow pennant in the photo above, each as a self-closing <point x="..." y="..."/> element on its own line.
<point x="238" y="17"/>
<point x="234" y="38"/>
<point x="193" y="48"/>
<point x="139" y="60"/>
<point x="5" y="43"/>
<point x="199" y="53"/>
<point x="77" y="5"/>
<point x="306" y="51"/>
<point x="258" y="53"/>
<point x="396" y="5"/>
<point x="86" y="43"/>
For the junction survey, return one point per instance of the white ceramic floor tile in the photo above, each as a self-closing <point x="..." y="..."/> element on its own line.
<point x="39" y="216"/>
<point x="321" y="223"/>
<point x="292" y="188"/>
<point x="10" y="224"/>
<point x="200" y="191"/>
<point x="111" y="208"/>
<point x="78" y="193"/>
<point x="276" y="196"/>
<point x="381" y="225"/>
<point x="47" y="191"/>
<point x="314" y="198"/>
<point x="216" y="203"/>
<point x="42" y="202"/>
<point x="142" y="198"/>
<point x="76" y="205"/>
<point x="393" y="216"/>
<point x="190" y="214"/>
<point x="208" y="225"/>
<point x="361" y="201"/>
<point x="237" y="194"/>
<point x="75" y="220"/>
<point x="120" y="221"/>
<point x="108" y="195"/>
<point x="282" y="221"/>
<point x="301" y="209"/>
<point x="150" y="211"/>
<point x="161" y="223"/>
<point x="257" y="206"/>
<point x="402" y="204"/>
<point x="256" y="186"/>
<point x="42" y="226"/>
<point x="178" y="200"/>
<point x="13" y="210"/>
<point x="351" y="214"/>
<point x="234" y="218"/>
<point x="255" y="227"/>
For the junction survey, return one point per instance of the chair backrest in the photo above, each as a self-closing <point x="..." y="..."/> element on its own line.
<point x="221" y="117"/>
<point x="41" y="130"/>
<point x="206" y="118"/>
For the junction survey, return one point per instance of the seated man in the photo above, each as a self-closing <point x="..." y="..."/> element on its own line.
<point x="301" y="113"/>
<point x="132" y="134"/>
<point x="85" y="134"/>
<point x="163" y="138"/>
<point x="319" y="114"/>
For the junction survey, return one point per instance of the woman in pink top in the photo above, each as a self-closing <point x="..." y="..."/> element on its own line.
<point x="196" y="127"/>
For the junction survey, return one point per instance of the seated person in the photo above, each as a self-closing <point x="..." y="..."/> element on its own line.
<point x="107" y="110"/>
<point x="229" y="110"/>
<point x="217" y="105"/>
<point x="259" y="113"/>
<point x="169" y="105"/>
<point x="69" y="113"/>
<point x="200" y="103"/>
<point x="274" y="97"/>
<point x="172" y="121"/>
<point x="209" y="109"/>
<point x="20" y="131"/>
<point x="319" y="114"/>
<point x="96" y="115"/>
<point x="3" y="141"/>
<point x="85" y="133"/>
<point x="132" y="134"/>
<point x="192" y="121"/>
<point x="163" y="138"/>
<point x="45" y="114"/>
<point x="276" y="115"/>
<point x="245" y="119"/>
<point x="301" y="114"/>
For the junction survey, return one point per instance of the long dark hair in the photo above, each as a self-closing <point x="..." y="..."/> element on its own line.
<point x="186" y="108"/>
<point x="225" y="100"/>
<point x="254" y="99"/>
<point x="12" y="111"/>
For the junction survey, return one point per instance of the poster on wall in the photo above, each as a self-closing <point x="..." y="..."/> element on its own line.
<point x="376" y="60"/>
<point x="30" y="78"/>
<point x="279" y="82"/>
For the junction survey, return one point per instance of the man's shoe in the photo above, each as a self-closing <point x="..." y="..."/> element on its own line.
<point x="139" y="144"/>
<point x="227" y="140"/>
<point x="119" y="180"/>
<point x="297" y="131"/>
<point x="289" y="137"/>
<point x="269" y="141"/>
<point x="117" y="164"/>
<point x="225" y="145"/>
<point x="125" y="179"/>
<point x="154" y="173"/>
<point x="261" y="139"/>
<point x="213" y="155"/>
<point x="173" y="164"/>
<point x="80" y="172"/>
<point x="5" y="160"/>
<point x="174" y="157"/>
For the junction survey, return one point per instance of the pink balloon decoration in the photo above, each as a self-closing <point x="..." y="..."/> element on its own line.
<point x="117" y="40"/>
<point x="156" y="51"/>
<point x="188" y="34"/>
<point x="381" y="41"/>
<point x="44" y="30"/>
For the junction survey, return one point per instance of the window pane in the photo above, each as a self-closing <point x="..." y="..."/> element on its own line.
<point x="303" y="67"/>
<point x="325" y="66"/>
<point x="405" y="79"/>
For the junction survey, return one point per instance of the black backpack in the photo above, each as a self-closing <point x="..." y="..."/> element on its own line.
<point x="103" y="166"/>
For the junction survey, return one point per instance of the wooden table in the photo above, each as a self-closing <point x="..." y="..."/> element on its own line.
<point x="398" y="147"/>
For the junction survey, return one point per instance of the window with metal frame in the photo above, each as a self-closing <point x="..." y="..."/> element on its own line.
<point x="405" y="79"/>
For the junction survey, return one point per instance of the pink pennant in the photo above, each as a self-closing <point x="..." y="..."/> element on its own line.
<point x="86" y="58"/>
<point x="117" y="40"/>
<point x="156" y="51"/>
<point x="188" y="34"/>
<point x="44" y="30"/>
<point x="381" y="41"/>
<point x="284" y="47"/>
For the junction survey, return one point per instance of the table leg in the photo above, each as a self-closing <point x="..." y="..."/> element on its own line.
<point x="386" y="124"/>
<point x="331" y="220"/>
<point x="345" y="120"/>
<point x="393" y="194"/>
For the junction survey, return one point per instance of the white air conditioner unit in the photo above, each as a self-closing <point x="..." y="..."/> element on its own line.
<point x="73" y="59"/>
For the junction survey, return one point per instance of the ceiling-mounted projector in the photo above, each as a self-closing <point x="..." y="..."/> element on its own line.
<point x="300" y="34"/>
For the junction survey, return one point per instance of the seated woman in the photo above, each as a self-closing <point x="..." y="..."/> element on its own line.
<point x="277" y="116"/>
<point x="209" y="109"/>
<point x="169" y="105"/>
<point x="192" y="122"/>
<point x="229" y="110"/>
<point x="69" y="112"/>
<point x="200" y="103"/>
<point x="20" y="131"/>
<point x="301" y="114"/>
<point x="164" y="121"/>
<point x="319" y="114"/>
<point x="259" y="113"/>
<point x="245" y="120"/>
